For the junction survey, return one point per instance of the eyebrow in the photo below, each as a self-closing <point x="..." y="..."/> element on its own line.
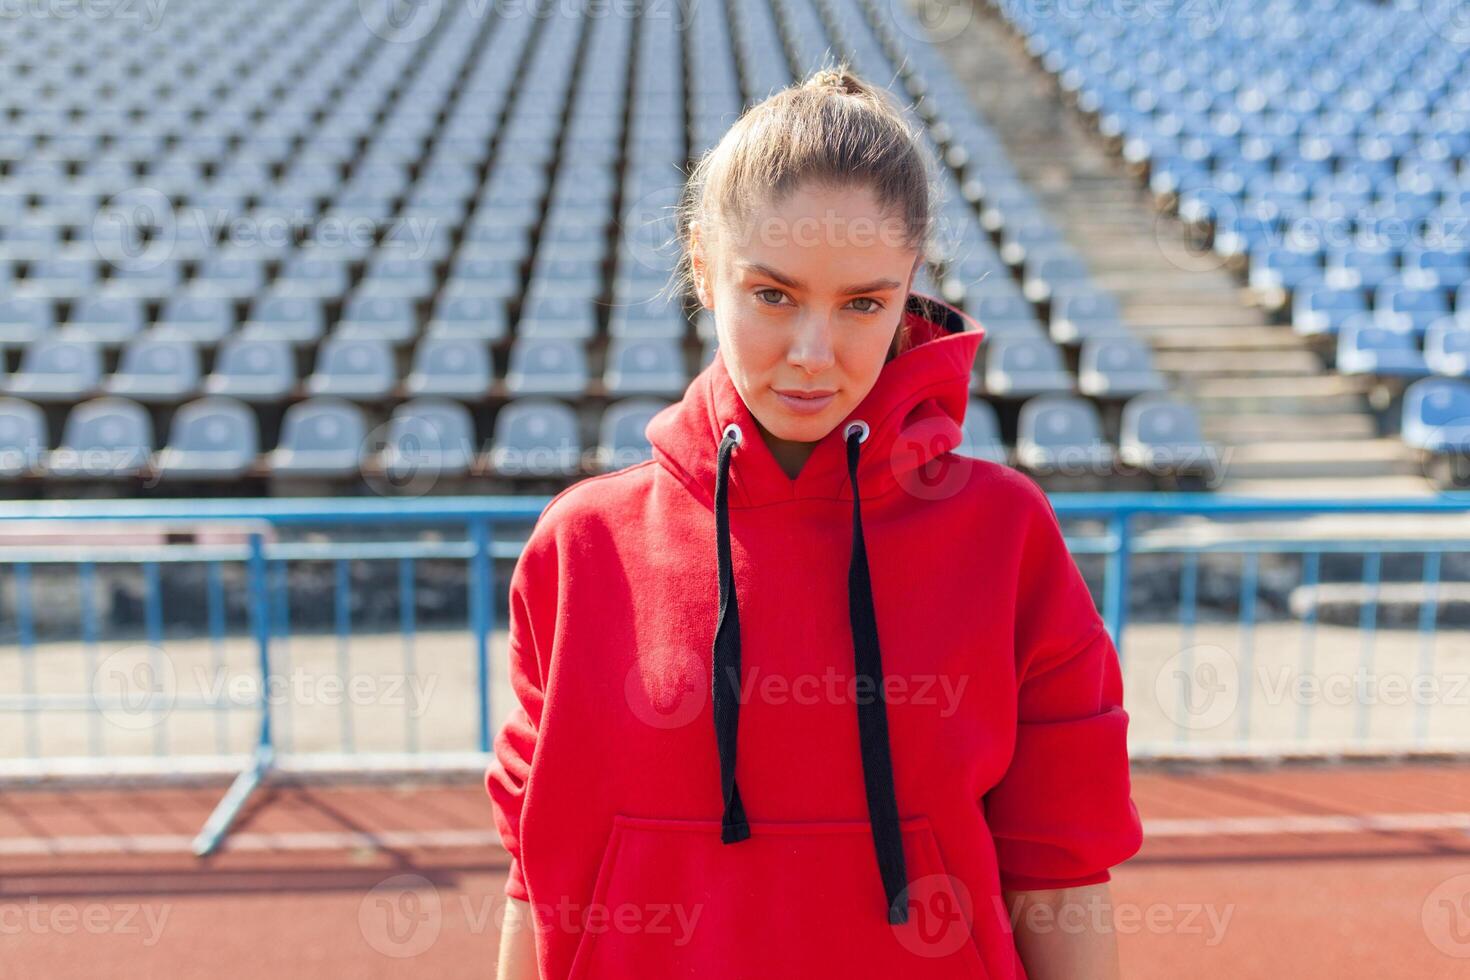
<point x="876" y="286"/>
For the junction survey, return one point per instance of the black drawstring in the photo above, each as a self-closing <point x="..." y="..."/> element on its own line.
<point x="873" y="713"/>
<point x="868" y="661"/>
<point x="726" y="696"/>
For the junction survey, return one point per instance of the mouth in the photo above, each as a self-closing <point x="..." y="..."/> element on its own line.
<point x="808" y="402"/>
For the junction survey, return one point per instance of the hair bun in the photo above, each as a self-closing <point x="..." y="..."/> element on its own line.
<point x="837" y="79"/>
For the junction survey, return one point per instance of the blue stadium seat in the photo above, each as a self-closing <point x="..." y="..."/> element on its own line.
<point x="980" y="433"/>
<point x="536" y="437"/>
<point x="387" y="318"/>
<point x="110" y="321"/>
<point x="546" y="367"/>
<point x="295" y="319"/>
<point x="320" y="437"/>
<point x="25" y="318"/>
<point x="622" y="436"/>
<point x="428" y="436"/>
<point x="1447" y="348"/>
<point x="24" y="437"/>
<point x="451" y="366"/>
<point x="1159" y="432"/>
<point x="645" y="366"/>
<point x="55" y="370"/>
<point x="1081" y="313"/>
<point x="1406" y="309"/>
<point x="1436" y="415"/>
<point x="1061" y="433"/>
<point x="153" y="369"/>
<point x="358" y="368"/>
<point x="468" y="315"/>
<point x="1021" y="367"/>
<point x="209" y="439"/>
<point x="204" y="320"/>
<point x="104" y="438"/>
<point x="1378" y="351"/>
<point x="253" y="370"/>
<point x="1117" y="367"/>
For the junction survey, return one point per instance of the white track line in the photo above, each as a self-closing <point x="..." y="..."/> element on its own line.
<point x="447" y="839"/>
<point x="1327" y="824"/>
<point x="303" y="841"/>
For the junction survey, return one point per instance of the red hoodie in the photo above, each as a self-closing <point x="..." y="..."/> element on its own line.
<point x="656" y="607"/>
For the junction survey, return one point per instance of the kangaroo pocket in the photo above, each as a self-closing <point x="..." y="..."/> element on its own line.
<point x="795" y="900"/>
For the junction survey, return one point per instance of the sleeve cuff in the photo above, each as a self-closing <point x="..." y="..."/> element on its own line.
<point x="515" y="882"/>
<point x="1031" y="883"/>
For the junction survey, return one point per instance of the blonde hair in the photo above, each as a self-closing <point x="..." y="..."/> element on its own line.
<point x="832" y="128"/>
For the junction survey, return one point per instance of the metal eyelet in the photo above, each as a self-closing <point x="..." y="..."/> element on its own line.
<point x="861" y="426"/>
<point x="735" y="428"/>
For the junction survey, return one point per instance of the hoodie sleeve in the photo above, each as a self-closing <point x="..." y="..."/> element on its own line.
<point x="1062" y="814"/>
<point x="509" y="772"/>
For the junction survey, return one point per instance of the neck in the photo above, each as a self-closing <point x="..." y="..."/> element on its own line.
<point x="790" y="454"/>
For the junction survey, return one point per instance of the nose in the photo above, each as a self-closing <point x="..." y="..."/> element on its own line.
<point x="811" y="346"/>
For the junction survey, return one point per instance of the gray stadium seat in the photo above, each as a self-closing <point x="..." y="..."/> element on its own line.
<point x="25" y="318"/>
<point x="359" y="368"/>
<point x="105" y="320"/>
<point x="460" y="314"/>
<point x="981" y="433"/>
<point x="253" y="370"/>
<point x="311" y="276"/>
<point x="536" y="437"/>
<point x="156" y="370"/>
<point x="1160" y="431"/>
<point x="320" y="437"/>
<point x="55" y="370"/>
<point x="455" y="367"/>
<point x="1024" y="366"/>
<point x="562" y="317"/>
<point x="1117" y="367"/>
<point x="645" y="366"/>
<point x="104" y="438"/>
<point x="546" y="367"/>
<point x="1061" y="433"/>
<point x="429" y="435"/>
<point x="1080" y="313"/>
<point x="202" y="319"/>
<point x="622" y="436"/>
<point x="67" y="275"/>
<point x="297" y="320"/>
<point x="209" y="439"/>
<point x="24" y="438"/>
<point x="379" y="318"/>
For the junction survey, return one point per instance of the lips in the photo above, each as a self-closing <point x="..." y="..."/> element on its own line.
<point x="804" y="402"/>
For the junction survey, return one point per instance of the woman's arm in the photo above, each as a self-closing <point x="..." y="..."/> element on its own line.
<point x="517" y="943"/>
<point x="1065" y="933"/>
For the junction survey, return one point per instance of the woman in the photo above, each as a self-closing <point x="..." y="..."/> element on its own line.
<point x="931" y="742"/>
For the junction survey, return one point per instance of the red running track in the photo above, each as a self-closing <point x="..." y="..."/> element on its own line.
<point x="1286" y="871"/>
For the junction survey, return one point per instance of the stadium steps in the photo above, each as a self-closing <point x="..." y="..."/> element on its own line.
<point x="1254" y="382"/>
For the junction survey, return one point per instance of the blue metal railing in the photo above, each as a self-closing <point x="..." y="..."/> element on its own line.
<point x="274" y="540"/>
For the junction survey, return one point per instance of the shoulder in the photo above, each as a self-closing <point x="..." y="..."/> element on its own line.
<point x="998" y="489"/>
<point x="591" y="503"/>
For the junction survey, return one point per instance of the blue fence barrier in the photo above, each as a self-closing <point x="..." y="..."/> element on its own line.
<point x="1208" y="590"/>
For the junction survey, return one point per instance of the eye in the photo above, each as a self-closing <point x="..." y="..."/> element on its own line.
<point x="873" y="308"/>
<point x="761" y="293"/>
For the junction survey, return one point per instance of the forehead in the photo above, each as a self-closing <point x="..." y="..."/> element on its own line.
<point x="823" y="236"/>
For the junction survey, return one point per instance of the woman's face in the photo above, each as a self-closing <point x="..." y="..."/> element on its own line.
<point x="807" y="298"/>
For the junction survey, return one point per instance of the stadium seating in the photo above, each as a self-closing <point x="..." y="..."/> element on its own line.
<point x="469" y="234"/>
<point x="1320" y="145"/>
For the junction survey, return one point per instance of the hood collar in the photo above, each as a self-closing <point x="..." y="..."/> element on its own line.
<point x="919" y="398"/>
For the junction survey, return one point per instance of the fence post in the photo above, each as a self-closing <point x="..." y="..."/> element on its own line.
<point x="1115" y="581"/>
<point x="480" y="621"/>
